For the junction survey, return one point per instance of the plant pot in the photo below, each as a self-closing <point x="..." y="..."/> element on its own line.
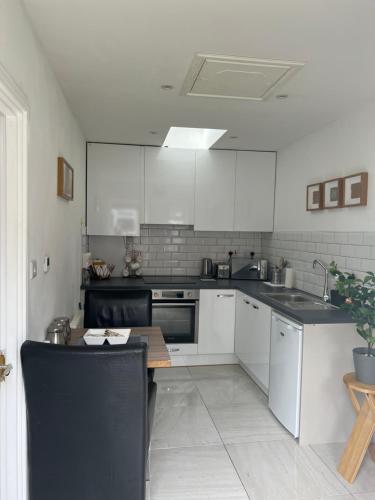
<point x="336" y="298"/>
<point x="364" y="365"/>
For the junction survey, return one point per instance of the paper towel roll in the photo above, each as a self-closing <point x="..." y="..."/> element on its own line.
<point x="289" y="277"/>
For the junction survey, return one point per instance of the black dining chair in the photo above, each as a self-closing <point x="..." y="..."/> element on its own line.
<point x="89" y="418"/>
<point x="111" y="308"/>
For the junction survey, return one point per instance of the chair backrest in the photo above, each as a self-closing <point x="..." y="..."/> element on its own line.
<point x="117" y="308"/>
<point x="87" y="418"/>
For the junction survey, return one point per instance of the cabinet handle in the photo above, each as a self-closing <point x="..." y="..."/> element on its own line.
<point x="224" y="295"/>
<point x="255" y="307"/>
<point x="174" y="349"/>
<point x="246" y="302"/>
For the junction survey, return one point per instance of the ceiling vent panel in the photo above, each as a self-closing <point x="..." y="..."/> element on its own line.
<point x="236" y="77"/>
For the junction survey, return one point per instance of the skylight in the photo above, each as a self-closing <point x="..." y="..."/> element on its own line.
<point x="192" y="138"/>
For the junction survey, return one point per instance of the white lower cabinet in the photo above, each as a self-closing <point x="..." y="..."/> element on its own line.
<point x="216" y="321"/>
<point x="252" y="338"/>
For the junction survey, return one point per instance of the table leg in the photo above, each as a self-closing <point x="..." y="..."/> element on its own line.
<point x="358" y="443"/>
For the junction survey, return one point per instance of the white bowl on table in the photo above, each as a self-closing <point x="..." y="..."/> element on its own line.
<point x="96" y="336"/>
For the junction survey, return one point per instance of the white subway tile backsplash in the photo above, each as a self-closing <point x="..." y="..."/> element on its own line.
<point x="353" y="252"/>
<point x="355" y="238"/>
<point x="178" y="250"/>
<point x="369" y="239"/>
<point x="175" y="250"/>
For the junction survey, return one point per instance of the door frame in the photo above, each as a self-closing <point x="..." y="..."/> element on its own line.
<point x="14" y="111"/>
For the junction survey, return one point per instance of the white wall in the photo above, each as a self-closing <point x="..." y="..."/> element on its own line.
<point x="344" y="147"/>
<point x="54" y="224"/>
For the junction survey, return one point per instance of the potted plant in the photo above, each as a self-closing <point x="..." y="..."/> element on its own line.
<point x="359" y="302"/>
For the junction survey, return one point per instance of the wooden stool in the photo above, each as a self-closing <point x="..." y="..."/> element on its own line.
<point x="363" y="430"/>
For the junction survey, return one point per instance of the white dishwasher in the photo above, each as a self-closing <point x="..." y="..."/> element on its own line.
<point x="285" y="372"/>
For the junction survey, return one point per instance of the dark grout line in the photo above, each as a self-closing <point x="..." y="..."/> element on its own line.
<point x="221" y="439"/>
<point x="330" y="470"/>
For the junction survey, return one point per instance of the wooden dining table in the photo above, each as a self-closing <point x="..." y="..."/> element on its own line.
<point x="157" y="352"/>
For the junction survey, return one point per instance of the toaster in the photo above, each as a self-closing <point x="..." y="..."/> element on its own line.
<point x="223" y="271"/>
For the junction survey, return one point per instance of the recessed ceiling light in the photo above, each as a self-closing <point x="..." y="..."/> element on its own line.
<point x="166" y="87"/>
<point x="192" y="138"/>
<point x="282" y="96"/>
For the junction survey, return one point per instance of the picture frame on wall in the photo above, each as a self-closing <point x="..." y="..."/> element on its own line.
<point x="333" y="193"/>
<point x="314" y="197"/>
<point x="65" y="179"/>
<point x="355" y="190"/>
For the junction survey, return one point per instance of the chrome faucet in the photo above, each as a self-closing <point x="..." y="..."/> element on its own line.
<point x="325" y="268"/>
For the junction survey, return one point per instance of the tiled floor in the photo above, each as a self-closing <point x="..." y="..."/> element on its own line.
<point x="214" y="438"/>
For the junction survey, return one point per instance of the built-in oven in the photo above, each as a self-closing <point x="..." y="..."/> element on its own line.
<point x="177" y="314"/>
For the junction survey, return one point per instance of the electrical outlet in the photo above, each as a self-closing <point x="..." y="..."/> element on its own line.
<point x="33" y="269"/>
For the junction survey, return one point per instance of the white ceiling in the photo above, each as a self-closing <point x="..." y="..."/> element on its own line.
<point x="111" y="56"/>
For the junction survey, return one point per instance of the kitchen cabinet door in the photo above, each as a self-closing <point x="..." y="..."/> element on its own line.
<point x="115" y="189"/>
<point x="252" y="338"/>
<point x="214" y="190"/>
<point x="259" y="352"/>
<point x="242" y="327"/>
<point x="216" y="322"/>
<point x="254" y="194"/>
<point x="169" y="186"/>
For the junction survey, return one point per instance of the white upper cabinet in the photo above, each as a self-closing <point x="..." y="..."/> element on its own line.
<point x="254" y="195"/>
<point x="169" y="186"/>
<point x="214" y="190"/>
<point x="115" y="189"/>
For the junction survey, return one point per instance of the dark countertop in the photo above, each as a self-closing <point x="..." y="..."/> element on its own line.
<point x="255" y="289"/>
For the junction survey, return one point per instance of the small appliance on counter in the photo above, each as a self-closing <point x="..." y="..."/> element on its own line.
<point x="244" y="268"/>
<point x="207" y="270"/>
<point x="223" y="271"/>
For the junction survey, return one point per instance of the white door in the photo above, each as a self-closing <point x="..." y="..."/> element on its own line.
<point x="115" y="189"/>
<point x="217" y="309"/>
<point x="169" y="186"/>
<point x="13" y="307"/>
<point x="214" y="190"/>
<point x="255" y="186"/>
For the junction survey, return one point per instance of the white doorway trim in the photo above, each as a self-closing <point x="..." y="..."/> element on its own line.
<point x="14" y="113"/>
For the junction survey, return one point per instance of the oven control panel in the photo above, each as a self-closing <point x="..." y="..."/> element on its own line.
<point x="175" y="294"/>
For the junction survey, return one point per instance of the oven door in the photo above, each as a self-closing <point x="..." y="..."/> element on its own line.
<point x="178" y="321"/>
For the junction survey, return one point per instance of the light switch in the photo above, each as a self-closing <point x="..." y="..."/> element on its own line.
<point x="33" y="269"/>
<point x="46" y="264"/>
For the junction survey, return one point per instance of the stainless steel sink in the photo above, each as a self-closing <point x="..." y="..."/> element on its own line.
<point x="288" y="297"/>
<point x="299" y="301"/>
<point x="312" y="306"/>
